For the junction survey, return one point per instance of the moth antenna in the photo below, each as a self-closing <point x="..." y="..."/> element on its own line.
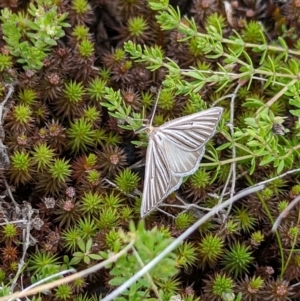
<point x="155" y="106"/>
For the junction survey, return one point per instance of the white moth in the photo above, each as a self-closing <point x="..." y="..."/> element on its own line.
<point x="174" y="151"/>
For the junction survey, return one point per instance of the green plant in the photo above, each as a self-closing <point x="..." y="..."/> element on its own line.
<point x="5" y="62"/>
<point x="198" y="183"/>
<point x="86" y="48"/>
<point x="92" y="180"/>
<point x="63" y="292"/>
<point x="257" y="238"/>
<point x="184" y="220"/>
<point x="216" y="58"/>
<point x="127" y="181"/>
<point x="55" y="179"/>
<point x="230" y="296"/>
<point x="112" y="139"/>
<point x="186" y="255"/>
<point x="91" y="203"/>
<point x="295" y="190"/>
<point x="2" y="276"/>
<point x="200" y="179"/>
<point x="112" y="201"/>
<point x="108" y="219"/>
<point x="42" y="156"/>
<point x="166" y="100"/>
<point x="81" y="135"/>
<point x="80" y="12"/>
<point x="21" y="170"/>
<point x="47" y="271"/>
<point x="92" y="114"/>
<point x="85" y="254"/>
<point x="118" y="109"/>
<point x="27" y="96"/>
<point x="4" y="290"/>
<point x="138" y="29"/>
<point x="210" y="250"/>
<point x="148" y="245"/>
<point x="244" y="218"/>
<point x="69" y="105"/>
<point x="80" y="32"/>
<point x="9" y="233"/>
<point x="251" y="288"/>
<point x="217" y="285"/>
<point x="79" y="284"/>
<point x="83" y="165"/>
<point x="96" y="90"/>
<point x="41" y="260"/>
<point x="70" y="237"/>
<point x="237" y="259"/>
<point x="112" y="238"/>
<point x="67" y="263"/>
<point x="20" y="119"/>
<point x="126" y="214"/>
<point x="86" y="227"/>
<point x="36" y="33"/>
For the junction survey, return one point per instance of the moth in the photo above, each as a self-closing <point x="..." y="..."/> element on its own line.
<point x="174" y="151"/>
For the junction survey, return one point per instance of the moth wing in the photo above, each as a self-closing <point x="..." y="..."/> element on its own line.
<point x="158" y="177"/>
<point x="193" y="131"/>
<point x="181" y="162"/>
<point x="175" y="151"/>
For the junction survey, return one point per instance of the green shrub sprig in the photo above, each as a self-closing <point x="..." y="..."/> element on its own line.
<point x="36" y="33"/>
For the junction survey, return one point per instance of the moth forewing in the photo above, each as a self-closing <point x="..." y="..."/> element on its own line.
<point x="192" y="131"/>
<point x="175" y="150"/>
<point x="157" y="177"/>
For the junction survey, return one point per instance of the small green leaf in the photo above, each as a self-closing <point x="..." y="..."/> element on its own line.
<point x="50" y="41"/>
<point x="295" y="113"/>
<point x="251" y="122"/>
<point x="117" y="281"/>
<point x="260" y="48"/>
<point x="88" y="245"/>
<point x="95" y="256"/>
<point x="81" y="245"/>
<point x="280" y="167"/>
<point x="223" y="146"/>
<point x="295" y="102"/>
<point x="254" y="143"/>
<point x="253" y="103"/>
<point x="86" y="259"/>
<point x="75" y="260"/>
<point x="266" y="160"/>
<point x="252" y="165"/>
